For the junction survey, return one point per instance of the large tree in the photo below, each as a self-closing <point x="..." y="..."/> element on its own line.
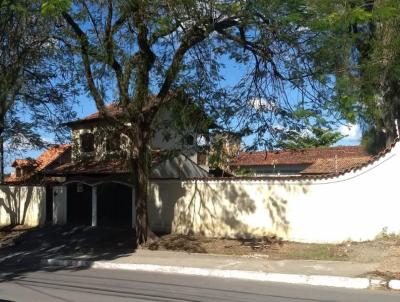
<point x="367" y="74"/>
<point x="146" y="54"/>
<point x="33" y="92"/>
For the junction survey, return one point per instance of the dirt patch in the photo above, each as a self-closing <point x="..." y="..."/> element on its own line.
<point x="9" y="235"/>
<point x="382" y="250"/>
<point x="272" y="247"/>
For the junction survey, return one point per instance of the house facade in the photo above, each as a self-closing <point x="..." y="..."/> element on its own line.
<point x="89" y="181"/>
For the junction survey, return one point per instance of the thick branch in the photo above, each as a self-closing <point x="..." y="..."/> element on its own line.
<point x="146" y="60"/>
<point x="192" y="37"/>
<point x="110" y="57"/>
<point x="84" y="42"/>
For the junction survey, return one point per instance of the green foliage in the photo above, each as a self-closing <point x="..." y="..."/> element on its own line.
<point x="374" y="140"/>
<point x="33" y="90"/>
<point x="54" y="7"/>
<point x="244" y="172"/>
<point x="317" y="137"/>
<point x="367" y="56"/>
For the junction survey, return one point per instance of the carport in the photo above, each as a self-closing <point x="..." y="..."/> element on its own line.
<point x="105" y="203"/>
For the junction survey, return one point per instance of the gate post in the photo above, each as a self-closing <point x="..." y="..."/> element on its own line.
<point x="94" y="206"/>
<point x="59" y="204"/>
<point x="133" y="208"/>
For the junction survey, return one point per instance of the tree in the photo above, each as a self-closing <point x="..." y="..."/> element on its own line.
<point x="32" y="92"/>
<point x="150" y="53"/>
<point x="367" y="80"/>
<point x="317" y="137"/>
<point x="316" y="134"/>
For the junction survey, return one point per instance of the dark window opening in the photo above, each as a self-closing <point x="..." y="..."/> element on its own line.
<point x="18" y="172"/>
<point x="189" y="140"/>
<point x="87" y="142"/>
<point x="113" y="143"/>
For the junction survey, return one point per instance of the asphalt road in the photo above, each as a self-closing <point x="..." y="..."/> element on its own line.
<point x="112" y="285"/>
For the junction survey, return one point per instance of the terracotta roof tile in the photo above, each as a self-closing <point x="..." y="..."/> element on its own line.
<point x="112" y="166"/>
<point x="370" y="161"/>
<point x="90" y="167"/>
<point x="50" y="155"/>
<point x="112" y="108"/>
<point x="26" y="162"/>
<point x="44" y="160"/>
<point x="334" y="165"/>
<point x="293" y="157"/>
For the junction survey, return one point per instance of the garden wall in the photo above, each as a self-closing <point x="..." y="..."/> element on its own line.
<point x="24" y="205"/>
<point x="357" y="205"/>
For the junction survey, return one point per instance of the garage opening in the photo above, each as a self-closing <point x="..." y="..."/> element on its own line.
<point x="79" y="204"/>
<point x="114" y="205"/>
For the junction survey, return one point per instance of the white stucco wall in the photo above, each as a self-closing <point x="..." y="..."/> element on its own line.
<point x="357" y="205"/>
<point x="22" y="205"/>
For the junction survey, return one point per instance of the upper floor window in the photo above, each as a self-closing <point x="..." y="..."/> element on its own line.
<point x="87" y="142"/>
<point x="113" y="143"/>
<point x="18" y="172"/>
<point x="190" y="140"/>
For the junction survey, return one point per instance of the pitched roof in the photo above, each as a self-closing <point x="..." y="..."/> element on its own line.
<point x="112" y="108"/>
<point x="334" y="165"/>
<point x="297" y="157"/>
<point x="40" y="163"/>
<point x="372" y="160"/>
<point x="50" y="155"/>
<point x="26" y="162"/>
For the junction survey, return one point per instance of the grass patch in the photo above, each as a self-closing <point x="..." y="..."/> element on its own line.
<point x="315" y="252"/>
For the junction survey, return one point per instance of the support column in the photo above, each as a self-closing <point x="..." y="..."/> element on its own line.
<point x="94" y="206"/>
<point x="133" y="209"/>
<point x="59" y="204"/>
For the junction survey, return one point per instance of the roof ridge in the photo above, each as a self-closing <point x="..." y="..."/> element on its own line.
<point x="302" y="149"/>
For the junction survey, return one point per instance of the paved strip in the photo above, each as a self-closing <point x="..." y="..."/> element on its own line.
<point x="118" y="285"/>
<point x="315" y="280"/>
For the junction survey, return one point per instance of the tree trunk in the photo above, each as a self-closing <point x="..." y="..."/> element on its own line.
<point x="141" y="166"/>
<point x="1" y="150"/>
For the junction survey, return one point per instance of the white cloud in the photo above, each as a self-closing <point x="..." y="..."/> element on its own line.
<point x="352" y="133"/>
<point x="262" y="103"/>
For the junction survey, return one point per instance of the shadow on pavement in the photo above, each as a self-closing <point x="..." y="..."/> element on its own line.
<point x="25" y="252"/>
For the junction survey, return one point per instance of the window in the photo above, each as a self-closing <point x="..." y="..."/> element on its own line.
<point x="87" y="142"/>
<point x="189" y="140"/>
<point x="113" y="142"/>
<point x="18" y="172"/>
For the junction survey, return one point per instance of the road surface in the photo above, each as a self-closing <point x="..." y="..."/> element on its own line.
<point x="112" y="285"/>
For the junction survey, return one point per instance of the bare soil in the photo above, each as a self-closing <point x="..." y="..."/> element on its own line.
<point x="8" y="235"/>
<point x="384" y="250"/>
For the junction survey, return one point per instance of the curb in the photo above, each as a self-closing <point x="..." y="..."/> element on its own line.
<point x="315" y="280"/>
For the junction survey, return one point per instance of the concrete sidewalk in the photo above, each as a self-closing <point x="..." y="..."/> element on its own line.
<point x="257" y="263"/>
<point x="257" y="268"/>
